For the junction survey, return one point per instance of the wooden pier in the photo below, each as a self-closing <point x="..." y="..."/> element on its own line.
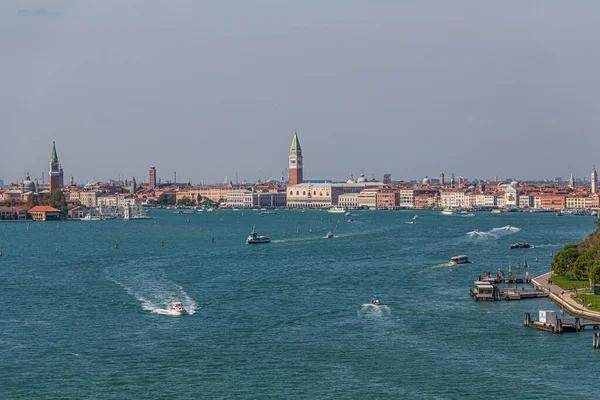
<point x="559" y="326"/>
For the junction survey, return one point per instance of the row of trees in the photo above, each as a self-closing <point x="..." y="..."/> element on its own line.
<point x="169" y="200"/>
<point x="55" y="199"/>
<point x="580" y="260"/>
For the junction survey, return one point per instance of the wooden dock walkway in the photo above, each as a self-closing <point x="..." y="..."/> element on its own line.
<point x="560" y="327"/>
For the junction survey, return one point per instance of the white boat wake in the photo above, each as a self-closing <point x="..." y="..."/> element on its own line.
<point x="494" y="233"/>
<point x="444" y="265"/>
<point x="154" y="292"/>
<point x="373" y="310"/>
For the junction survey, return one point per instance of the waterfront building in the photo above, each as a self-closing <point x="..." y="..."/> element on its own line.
<point x="18" y="213"/>
<point x="594" y="180"/>
<point x="511" y="196"/>
<point x="407" y="198"/>
<point x="152" y="177"/>
<point x="578" y="201"/>
<point x="56" y="171"/>
<point x="452" y="199"/>
<point x="324" y="195"/>
<point x="295" y="162"/>
<point x="77" y="212"/>
<point x="526" y="201"/>
<point x="313" y="195"/>
<point x="553" y="201"/>
<point x="44" y="213"/>
<point x="367" y="198"/>
<point x="348" y="200"/>
<point x="388" y="199"/>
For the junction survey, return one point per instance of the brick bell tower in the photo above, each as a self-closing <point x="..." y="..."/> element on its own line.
<point x="55" y="170"/>
<point x="295" y="161"/>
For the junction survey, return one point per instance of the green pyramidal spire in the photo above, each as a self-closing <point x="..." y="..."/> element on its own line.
<point x="54" y="157"/>
<point x="295" y="143"/>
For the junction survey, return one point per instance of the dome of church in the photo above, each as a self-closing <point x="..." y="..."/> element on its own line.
<point x="361" y="178"/>
<point x="514" y="184"/>
<point x="28" y="185"/>
<point x="426" y="180"/>
<point x="351" y="180"/>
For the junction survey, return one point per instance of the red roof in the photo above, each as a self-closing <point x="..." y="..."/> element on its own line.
<point x="43" y="209"/>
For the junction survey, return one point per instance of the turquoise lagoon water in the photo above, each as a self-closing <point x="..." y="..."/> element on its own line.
<point x="283" y="320"/>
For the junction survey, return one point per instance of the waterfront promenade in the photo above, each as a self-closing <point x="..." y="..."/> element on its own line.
<point x="563" y="298"/>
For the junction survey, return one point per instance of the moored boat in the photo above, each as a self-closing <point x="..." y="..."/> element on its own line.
<point x="337" y="210"/>
<point x="448" y="212"/>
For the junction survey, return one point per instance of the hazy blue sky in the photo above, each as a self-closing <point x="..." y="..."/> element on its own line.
<point x="211" y="88"/>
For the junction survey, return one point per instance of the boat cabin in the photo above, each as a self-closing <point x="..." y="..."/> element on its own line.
<point x="462" y="259"/>
<point x="375" y="300"/>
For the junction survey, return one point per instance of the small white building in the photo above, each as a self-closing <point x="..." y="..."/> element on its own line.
<point x="547" y="316"/>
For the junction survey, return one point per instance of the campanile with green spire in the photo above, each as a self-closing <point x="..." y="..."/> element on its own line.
<point x="55" y="170"/>
<point x="295" y="165"/>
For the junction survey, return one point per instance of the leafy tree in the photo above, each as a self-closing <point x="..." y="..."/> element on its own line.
<point x="186" y="202"/>
<point x="199" y="199"/>
<point x="583" y="264"/>
<point x="166" y="200"/>
<point x="33" y="201"/>
<point x="595" y="273"/>
<point x="564" y="259"/>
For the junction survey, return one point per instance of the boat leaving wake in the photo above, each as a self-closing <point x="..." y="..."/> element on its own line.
<point x="494" y="233"/>
<point x="155" y="293"/>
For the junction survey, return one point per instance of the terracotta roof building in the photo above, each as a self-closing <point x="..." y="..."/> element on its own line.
<point x="44" y="213"/>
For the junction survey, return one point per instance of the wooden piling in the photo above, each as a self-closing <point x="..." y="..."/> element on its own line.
<point x="527" y="320"/>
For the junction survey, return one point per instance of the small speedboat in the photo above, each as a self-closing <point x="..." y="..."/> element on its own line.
<point x="348" y="214"/>
<point x="350" y="220"/>
<point x="470" y="215"/>
<point x="176" y="308"/>
<point x="520" y="245"/>
<point x="329" y="235"/>
<point x="254" y="238"/>
<point x="375" y="300"/>
<point x="416" y="217"/>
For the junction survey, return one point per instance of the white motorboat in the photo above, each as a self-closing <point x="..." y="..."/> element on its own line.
<point x="329" y="235"/>
<point x="416" y="217"/>
<point x="91" y="217"/>
<point x="375" y="301"/>
<point x="176" y="308"/>
<point x="348" y="214"/>
<point x="448" y="212"/>
<point x="254" y="238"/>
<point x="411" y="222"/>
<point x="337" y="210"/>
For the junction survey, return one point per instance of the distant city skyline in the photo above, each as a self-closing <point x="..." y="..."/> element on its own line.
<point x="214" y="89"/>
